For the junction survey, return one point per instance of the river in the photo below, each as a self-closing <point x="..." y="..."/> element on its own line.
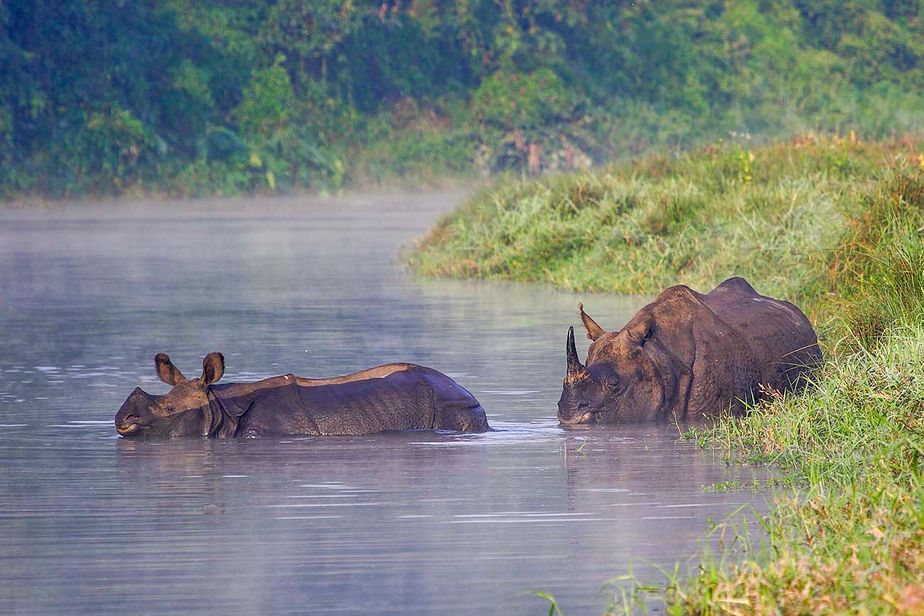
<point x="408" y="523"/>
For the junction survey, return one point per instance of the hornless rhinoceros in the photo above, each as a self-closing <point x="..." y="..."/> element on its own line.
<point x="686" y="356"/>
<point x="389" y="397"/>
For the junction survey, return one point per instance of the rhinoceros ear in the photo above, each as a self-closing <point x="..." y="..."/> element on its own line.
<point x="641" y="331"/>
<point x="594" y="331"/>
<point x="213" y="367"/>
<point x="165" y="369"/>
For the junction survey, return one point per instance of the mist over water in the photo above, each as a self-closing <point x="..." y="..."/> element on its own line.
<point x="410" y="523"/>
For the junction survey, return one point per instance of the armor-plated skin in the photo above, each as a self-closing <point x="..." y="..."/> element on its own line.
<point x="385" y="398"/>
<point x="687" y="356"/>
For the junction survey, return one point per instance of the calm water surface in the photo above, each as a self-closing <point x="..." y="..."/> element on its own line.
<point x="412" y="523"/>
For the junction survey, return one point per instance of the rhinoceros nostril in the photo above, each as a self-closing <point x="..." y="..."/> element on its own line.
<point x="130" y="418"/>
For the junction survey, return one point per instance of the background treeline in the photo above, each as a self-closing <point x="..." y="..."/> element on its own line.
<point x="184" y="96"/>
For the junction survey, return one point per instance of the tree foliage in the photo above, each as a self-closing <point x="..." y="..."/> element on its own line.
<point x="114" y="95"/>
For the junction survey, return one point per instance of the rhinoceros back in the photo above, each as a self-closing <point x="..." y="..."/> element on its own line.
<point x="778" y="333"/>
<point x="415" y="398"/>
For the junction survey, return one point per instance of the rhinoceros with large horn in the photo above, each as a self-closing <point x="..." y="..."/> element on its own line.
<point x="686" y="356"/>
<point x="385" y="398"/>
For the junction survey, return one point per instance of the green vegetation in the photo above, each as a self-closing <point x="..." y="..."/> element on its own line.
<point x="853" y="542"/>
<point x="836" y="225"/>
<point x="782" y="215"/>
<point x="246" y="95"/>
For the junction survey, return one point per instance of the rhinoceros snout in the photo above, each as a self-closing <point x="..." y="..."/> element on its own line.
<point x="574" y="420"/>
<point x="128" y="421"/>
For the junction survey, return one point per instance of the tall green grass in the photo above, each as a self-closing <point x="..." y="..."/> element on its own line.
<point x="835" y="225"/>
<point x="774" y="214"/>
<point x="853" y="541"/>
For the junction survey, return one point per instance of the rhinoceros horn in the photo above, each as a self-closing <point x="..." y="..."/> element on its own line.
<point x="575" y="367"/>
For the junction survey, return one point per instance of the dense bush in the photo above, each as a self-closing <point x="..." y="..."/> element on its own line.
<point x="312" y="93"/>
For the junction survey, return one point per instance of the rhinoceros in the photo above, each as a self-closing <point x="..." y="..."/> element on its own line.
<point x="395" y="396"/>
<point x="687" y="356"/>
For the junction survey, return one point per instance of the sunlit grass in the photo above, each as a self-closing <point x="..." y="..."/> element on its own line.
<point x="694" y="219"/>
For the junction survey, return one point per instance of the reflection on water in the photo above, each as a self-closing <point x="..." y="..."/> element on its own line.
<point x="394" y="523"/>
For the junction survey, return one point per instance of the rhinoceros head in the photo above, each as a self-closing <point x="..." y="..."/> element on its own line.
<point x="626" y="378"/>
<point x="181" y="411"/>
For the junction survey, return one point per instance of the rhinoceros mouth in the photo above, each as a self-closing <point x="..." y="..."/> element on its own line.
<point x="583" y="418"/>
<point x="128" y="429"/>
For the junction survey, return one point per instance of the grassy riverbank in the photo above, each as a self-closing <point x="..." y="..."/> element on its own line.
<point x="784" y="215"/>
<point x="836" y="225"/>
